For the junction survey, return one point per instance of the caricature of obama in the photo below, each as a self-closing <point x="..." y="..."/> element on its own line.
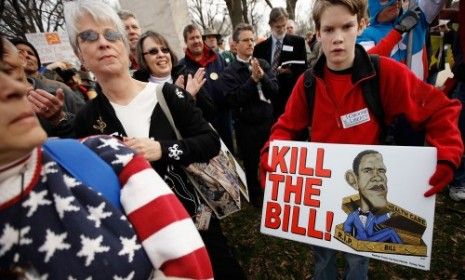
<point x="368" y="177"/>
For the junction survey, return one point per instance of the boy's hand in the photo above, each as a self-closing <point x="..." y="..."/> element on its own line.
<point x="264" y="167"/>
<point x="443" y="176"/>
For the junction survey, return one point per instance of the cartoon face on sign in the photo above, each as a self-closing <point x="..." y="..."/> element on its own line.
<point x="368" y="177"/>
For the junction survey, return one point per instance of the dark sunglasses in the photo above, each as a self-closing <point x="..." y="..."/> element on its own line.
<point x="155" y="51"/>
<point x="92" y="36"/>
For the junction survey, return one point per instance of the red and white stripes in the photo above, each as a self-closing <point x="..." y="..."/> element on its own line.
<point x="164" y="227"/>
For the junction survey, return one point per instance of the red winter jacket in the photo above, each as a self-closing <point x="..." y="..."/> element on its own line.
<point x="401" y="93"/>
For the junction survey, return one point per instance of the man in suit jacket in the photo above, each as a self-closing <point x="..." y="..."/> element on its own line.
<point x="280" y="48"/>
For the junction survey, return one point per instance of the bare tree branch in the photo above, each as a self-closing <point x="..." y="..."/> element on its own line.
<point x="268" y="2"/>
<point x="18" y="17"/>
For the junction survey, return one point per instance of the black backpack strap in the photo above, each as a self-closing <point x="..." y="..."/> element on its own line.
<point x="309" y="86"/>
<point x="372" y="97"/>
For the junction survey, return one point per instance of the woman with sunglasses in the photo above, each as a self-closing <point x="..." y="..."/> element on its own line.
<point x="127" y="108"/>
<point x="159" y="64"/>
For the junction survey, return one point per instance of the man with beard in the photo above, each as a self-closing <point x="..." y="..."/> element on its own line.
<point x="368" y="177"/>
<point x="133" y="31"/>
<point x="278" y="49"/>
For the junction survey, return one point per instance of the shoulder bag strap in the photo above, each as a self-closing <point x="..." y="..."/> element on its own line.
<point x="166" y="110"/>
<point x="86" y="166"/>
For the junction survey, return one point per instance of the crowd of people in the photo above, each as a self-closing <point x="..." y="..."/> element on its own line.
<point x="55" y="224"/>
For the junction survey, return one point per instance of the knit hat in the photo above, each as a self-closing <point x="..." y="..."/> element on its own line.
<point x="20" y="41"/>
<point x="375" y="7"/>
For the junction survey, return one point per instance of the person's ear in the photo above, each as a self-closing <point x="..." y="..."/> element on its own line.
<point x="318" y="35"/>
<point x="362" y="25"/>
<point x="351" y="179"/>
<point x="78" y="53"/>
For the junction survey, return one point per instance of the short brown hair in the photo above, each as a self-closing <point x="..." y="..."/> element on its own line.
<point x="277" y="13"/>
<point x="356" y="7"/>
<point x="189" y="29"/>
<point x="125" y="14"/>
<point x="239" y="28"/>
<point x="159" y="39"/>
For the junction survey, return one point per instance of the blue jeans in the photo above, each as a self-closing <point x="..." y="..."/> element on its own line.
<point x="326" y="269"/>
<point x="459" y="93"/>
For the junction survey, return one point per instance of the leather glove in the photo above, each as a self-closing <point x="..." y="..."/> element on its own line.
<point x="407" y="20"/>
<point x="443" y="176"/>
<point x="263" y="168"/>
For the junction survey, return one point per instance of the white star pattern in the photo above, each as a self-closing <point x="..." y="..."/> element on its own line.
<point x="96" y="214"/>
<point x="123" y="159"/>
<point x="72" y="278"/>
<point x="70" y="181"/>
<point x="47" y="169"/>
<point x="129" y="246"/>
<point x="35" y="200"/>
<point x="129" y="277"/>
<point x="10" y="237"/>
<point x="90" y="247"/>
<point x="52" y="243"/>
<point x="63" y="204"/>
<point x="29" y="275"/>
<point x="175" y="152"/>
<point x="179" y="93"/>
<point x="111" y="142"/>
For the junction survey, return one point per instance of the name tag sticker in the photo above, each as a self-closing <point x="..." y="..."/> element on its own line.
<point x="288" y="48"/>
<point x="355" y="118"/>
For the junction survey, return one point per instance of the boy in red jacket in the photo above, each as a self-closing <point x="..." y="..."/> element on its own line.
<point x="338" y="76"/>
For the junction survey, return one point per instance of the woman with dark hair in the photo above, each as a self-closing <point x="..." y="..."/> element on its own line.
<point x="159" y="64"/>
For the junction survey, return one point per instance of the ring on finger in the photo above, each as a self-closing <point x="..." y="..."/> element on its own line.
<point x="45" y="109"/>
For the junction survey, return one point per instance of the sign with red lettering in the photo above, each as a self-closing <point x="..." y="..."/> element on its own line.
<point x="362" y="199"/>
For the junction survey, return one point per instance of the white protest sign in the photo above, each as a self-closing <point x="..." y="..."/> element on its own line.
<point x="314" y="196"/>
<point x="52" y="46"/>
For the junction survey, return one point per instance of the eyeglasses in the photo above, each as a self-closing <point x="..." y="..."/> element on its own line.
<point x="246" y="40"/>
<point x="92" y="36"/>
<point x="155" y="51"/>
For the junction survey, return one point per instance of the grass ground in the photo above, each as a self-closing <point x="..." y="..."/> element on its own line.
<point x="265" y="257"/>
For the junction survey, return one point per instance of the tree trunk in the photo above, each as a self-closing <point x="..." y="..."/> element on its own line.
<point x="235" y="11"/>
<point x="290" y="8"/>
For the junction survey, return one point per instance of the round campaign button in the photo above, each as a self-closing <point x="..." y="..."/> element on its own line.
<point x="214" y="76"/>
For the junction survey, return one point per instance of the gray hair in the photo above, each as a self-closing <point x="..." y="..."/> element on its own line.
<point x="98" y="11"/>
<point x="276" y="14"/>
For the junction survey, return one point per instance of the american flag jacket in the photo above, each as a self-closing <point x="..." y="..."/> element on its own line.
<point x="55" y="227"/>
